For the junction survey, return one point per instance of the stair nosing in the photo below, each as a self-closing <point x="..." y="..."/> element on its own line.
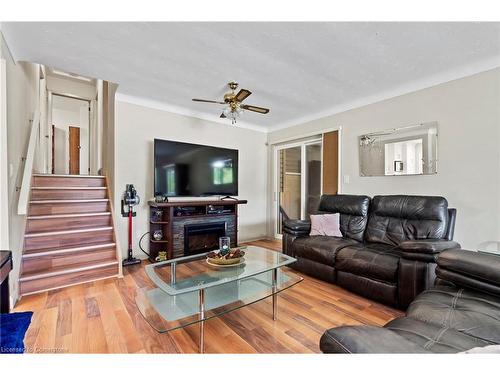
<point x="68" y="175"/>
<point x="53" y="201"/>
<point x="62" y="216"/>
<point x="68" y="187"/>
<point x="43" y="275"/>
<point x="69" y="231"/>
<point x="66" y="250"/>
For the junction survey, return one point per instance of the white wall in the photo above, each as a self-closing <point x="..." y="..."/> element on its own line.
<point x="22" y="98"/>
<point x="468" y="114"/>
<point x="137" y="126"/>
<point x="68" y="112"/>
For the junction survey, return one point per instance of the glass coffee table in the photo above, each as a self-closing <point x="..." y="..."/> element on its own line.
<point x="188" y="290"/>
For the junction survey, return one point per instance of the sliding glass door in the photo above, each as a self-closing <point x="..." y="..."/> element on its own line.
<point x="297" y="180"/>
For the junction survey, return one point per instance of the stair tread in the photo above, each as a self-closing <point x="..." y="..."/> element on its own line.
<point x="47" y="201"/>
<point x="68" y="175"/>
<point x="54" y="271"/>
<point x="68" y="231"/>
<point x="68" y="188"/>
<point x="64" y="249"/>
<point x="62" y="216"/>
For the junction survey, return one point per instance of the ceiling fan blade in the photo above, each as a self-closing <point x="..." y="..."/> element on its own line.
<point x="255" y="109"/>
<point x="207" y="101"/>
<point x="222" y="115"/>
<point x="242" y="95"/>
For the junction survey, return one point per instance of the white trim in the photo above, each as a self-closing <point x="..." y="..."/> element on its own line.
<point x="318" y="133"/>
<point x="339" y="171"/>
<point x="303" y="177"/>
<point x="4" y="165"/>
<point x="162" y="106"/>
<point x="70" y="231"/>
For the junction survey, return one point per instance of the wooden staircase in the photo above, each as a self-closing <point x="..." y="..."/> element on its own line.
<point x="69" y="238"/>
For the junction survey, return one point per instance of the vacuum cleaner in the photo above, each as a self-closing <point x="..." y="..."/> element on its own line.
<point x="129" y="200"/>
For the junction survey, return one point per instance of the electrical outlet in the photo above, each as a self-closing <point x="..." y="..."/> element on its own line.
<point x="347" y="179"/>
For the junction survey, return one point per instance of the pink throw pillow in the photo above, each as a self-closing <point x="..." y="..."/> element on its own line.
<point x="325" y="225"/>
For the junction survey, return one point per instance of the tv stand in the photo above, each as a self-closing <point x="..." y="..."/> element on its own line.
<point x="228" y="197"/>
<point x="171" y="218"/>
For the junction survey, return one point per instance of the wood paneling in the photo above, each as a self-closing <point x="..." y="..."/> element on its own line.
<point x="69" y="238"/>
<point x="330" y="162"/>
<point x="101" y="316"/>
<point x="83" y="193"/>
<point x="59" y="208"/>
<point x="45" y="223"/>
<point x="49" y="180"/>
<point x="51" y="260"/>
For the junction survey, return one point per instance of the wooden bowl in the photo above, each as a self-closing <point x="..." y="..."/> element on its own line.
<point x="223" y="261"/>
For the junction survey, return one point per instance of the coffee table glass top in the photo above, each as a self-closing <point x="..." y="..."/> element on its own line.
<point x="187" y="274"/>
<point x="174" y="302"/>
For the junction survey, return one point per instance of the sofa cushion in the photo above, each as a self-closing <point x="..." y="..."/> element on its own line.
<point x="470" y="269"/>
<point x="433" y="337"/>
<point x="473" y="313"/>
<point x="397" y="218"/>
<point x="366" y="339"/>
<point x="320" y="249"/>
<point x="375" y="261"/>
<point x="325" y="225"/>
<point x="353" y="210"/>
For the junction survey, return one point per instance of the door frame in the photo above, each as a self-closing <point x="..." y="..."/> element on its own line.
<point x="76" y="97"/>
<point x="294" y="142"/>
<point x="303" y="176"/>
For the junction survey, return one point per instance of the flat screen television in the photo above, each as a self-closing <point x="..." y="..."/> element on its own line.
<point x="191" y="170"/>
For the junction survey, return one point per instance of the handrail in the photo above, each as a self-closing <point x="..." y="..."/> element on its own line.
<point x="24" y="192"/>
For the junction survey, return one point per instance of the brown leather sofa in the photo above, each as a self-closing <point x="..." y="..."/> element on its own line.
<point x="388" y="246"/>
<point x="461" y="312"/>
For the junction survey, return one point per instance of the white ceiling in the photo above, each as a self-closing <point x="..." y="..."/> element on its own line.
<point x="300" y="71"/>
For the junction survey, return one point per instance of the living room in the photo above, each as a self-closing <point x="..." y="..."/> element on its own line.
<point x="251" y="187"/>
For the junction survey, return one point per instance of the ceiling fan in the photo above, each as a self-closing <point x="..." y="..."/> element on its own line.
<point x="234" y="103"/>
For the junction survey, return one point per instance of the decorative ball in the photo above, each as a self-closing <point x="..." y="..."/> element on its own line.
<point x="157" y="235"/>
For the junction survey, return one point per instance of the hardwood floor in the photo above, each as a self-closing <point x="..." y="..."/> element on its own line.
<point x="101" y="317"/>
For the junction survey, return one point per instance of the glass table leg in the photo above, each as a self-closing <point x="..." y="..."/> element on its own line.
<point x="275" y="294"/>
<point x="201" y="300"/>
<point x="173" y="273"/>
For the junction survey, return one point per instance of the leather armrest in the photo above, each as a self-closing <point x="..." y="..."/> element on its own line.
<point x="366" y="339"/>
<point x="470" y="269"/>
<point x="428" y="246"/>
<point x="297" y="227"/>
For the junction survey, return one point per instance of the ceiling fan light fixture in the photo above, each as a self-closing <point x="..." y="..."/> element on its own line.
<point x="235" y="107"/>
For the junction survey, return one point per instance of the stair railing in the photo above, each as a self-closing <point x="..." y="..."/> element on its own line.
<point x="24" y="191"/>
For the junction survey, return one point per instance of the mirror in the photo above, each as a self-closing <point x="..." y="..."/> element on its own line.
<point x="411" y="150"/>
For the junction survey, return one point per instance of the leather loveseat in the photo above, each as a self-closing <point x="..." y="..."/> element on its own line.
<point x="388" y="246"/>
<point x="461" y="312"/>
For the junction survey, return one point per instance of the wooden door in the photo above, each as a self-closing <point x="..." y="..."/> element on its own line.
<point x="330" y="162"/>
<point x="74" y="150"/>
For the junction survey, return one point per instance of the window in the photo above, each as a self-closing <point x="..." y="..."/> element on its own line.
<point x="222" y="172"/>
<point x="170" y="180"/>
